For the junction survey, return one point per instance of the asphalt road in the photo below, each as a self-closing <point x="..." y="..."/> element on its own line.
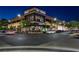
<point x="25" y="39"/>
<point x="63" y="40"/>
<point x="57" y="39"/>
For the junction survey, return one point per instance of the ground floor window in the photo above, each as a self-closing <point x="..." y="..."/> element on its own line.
<point x="35" y="28"/>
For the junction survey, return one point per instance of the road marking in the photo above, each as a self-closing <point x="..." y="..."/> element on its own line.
<point x="58" y="48"/>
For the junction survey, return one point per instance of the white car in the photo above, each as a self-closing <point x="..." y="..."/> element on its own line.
<point x="10" y="32"/>
<point x="51" y="31"/>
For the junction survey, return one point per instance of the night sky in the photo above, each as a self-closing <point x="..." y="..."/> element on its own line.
<point x="61" y="12"/>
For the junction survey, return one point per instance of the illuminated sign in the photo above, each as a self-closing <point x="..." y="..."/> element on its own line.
<point x="34" y="10"/>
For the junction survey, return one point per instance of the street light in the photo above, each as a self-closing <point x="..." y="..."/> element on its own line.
<point x="63" y="21"/>
<point x="63" y="25"/>
<point x="9" y="20"/>
<point x="19" y="15"/>
<point x="55" y="19"/>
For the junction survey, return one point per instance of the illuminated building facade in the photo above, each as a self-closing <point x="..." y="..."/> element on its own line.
<point x="37" y="20"/>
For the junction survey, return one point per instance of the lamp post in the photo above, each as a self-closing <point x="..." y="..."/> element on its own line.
<point x="55" y="19"/>
<point x="63" y="23"/>
<point x="9" y="21"/>
<point x="19" y="15"/>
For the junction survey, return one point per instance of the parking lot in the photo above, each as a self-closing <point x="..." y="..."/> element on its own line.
<point x="49" y="40"/>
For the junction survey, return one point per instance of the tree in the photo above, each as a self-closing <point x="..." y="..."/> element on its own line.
<point x="69" y="25"/>
<point x="3" y="28"/>
<point x="3" y="23"/>
<point x="12" y="28"/>
<point x="72" y="24"/>
<point x="24" y="23"/>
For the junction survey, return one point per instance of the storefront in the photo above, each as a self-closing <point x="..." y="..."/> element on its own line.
<point x="37" y="19"/>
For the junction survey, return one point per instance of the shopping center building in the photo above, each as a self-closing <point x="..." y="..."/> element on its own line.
<point x="37" y="19"/>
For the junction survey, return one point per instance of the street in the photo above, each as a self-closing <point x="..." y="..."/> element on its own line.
<point x="46" y="40"/>
<point x="63" y="40"/>
<point x="25" y="39"/>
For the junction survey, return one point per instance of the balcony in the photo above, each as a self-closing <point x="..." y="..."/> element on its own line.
<point x="39" y="23"/>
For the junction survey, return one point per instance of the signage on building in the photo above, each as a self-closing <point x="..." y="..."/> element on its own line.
<point x="34" y="10"/>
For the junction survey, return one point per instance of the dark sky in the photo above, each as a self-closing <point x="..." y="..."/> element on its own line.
<point x="61" y="12"/>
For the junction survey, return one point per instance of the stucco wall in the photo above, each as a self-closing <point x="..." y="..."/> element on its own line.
<point x="14" y="24"/>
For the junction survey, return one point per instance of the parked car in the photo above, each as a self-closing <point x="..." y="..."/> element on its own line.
<point x="10" y="32"/>
<point x="1" y="33"/>
<point x="50" y="31"/>
<point x="75" y="33"/>
<point x="59" y="31"/>
<point x="76" y="36"/>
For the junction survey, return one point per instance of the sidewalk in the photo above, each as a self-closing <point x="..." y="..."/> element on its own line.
<point x="35" y="32"/>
